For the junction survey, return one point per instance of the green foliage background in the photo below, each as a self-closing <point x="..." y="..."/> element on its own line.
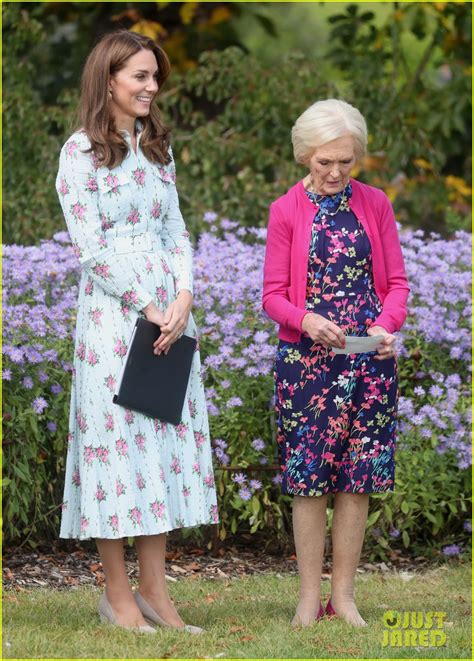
<point x="406" y="67"/>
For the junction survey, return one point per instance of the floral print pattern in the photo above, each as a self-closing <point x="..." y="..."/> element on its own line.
<point x="336" y="414"/>
<point x="126" y="473"/>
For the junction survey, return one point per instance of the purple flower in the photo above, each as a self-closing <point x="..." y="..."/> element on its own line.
<point x="452" y="550"/>
<point x="52" y="426"/>
<point x="453" y="380"/>
<point x="394" y="533"/>
<point x="28" y="382"/>
<point x="56" y="388"/>
<point x="260" y="337"/>
<point x="467" y="526"/>
<point x="234" y="401"/>
<point x="39" y="404"/>
<point x="6" y="374"/>
<point x="278" y="479"/>
<point x="455" y="353"/>
<point x="62" y="237"/>
<point x="239" y="478"/>
<point x="436" y="391"/>
<point x="255" y="484"/>
<point x="245" y="493"/>
<point x="258" y="444"/>
<point x="42" y="376"/>
<point x="212" y="409"/>
<point x="16" y="355"/>
<point x="222" y="456"/>
<point x="210" y="216"/>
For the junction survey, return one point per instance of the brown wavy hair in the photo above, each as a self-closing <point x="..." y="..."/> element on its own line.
<point x="107" y="57"/>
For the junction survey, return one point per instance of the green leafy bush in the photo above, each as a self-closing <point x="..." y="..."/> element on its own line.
<point x="31" y="136"/>
<point x="232" y="114"/>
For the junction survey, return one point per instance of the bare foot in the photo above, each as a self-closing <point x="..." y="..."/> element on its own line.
<point x="347" y="610"/>
<point x="306" y="612"/>
<point x="125" y="610"/>
<point x="164" y="607"/>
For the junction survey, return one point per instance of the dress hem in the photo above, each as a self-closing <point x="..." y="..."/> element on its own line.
<point x="133" y="533"/>
<point x="362" y="493"/>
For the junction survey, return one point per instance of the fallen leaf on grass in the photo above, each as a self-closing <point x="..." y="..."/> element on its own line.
<point x="192" y="566"/>
<point x="178" y="569"/>
<point x="246" y="639"/>
<point x="236" y="629"/>
<point x="210" y="598"/>
<point x="95" y="566"/>
<point x="173" y="555"/>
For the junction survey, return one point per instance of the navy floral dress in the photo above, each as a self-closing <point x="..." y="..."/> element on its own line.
<point x="336" y="413"/>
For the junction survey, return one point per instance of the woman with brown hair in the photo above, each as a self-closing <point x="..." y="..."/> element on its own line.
<point x="129" y="475"/>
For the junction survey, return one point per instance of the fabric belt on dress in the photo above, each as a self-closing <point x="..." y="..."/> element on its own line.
<point x="144" y="242"/>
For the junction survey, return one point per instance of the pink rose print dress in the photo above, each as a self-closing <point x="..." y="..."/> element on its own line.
<point x="336" y="413"/>
<point x="128" y="474"/>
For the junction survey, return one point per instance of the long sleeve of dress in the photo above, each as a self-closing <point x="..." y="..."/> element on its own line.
<point x="77" y="187"/>
<point x="175" y="237"/>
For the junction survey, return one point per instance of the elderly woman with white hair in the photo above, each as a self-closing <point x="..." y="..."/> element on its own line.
<point x="333" y="269"/>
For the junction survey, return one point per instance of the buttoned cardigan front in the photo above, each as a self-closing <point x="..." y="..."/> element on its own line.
<point x="286" y="257"/>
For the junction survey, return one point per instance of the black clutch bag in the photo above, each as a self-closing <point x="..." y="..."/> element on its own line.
<point x="151" y="384"/>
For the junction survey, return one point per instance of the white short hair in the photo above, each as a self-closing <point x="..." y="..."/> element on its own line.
<point x="325" y="121"/>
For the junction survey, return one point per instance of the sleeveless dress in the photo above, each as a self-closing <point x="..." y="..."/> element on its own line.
<point x="336" y="413"/>
<point x="127" y="474"/>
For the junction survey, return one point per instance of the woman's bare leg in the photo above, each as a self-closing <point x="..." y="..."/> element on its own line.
<point x="309" y="529"/>
<point x="348" y="530"/>
<point x="118" y="590"/>
<point x="151" y="550"/>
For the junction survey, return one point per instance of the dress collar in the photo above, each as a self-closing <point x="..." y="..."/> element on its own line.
<point x="330" y="200"/>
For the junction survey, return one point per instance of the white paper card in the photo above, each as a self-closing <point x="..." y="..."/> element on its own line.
<point x="356" y="344"/>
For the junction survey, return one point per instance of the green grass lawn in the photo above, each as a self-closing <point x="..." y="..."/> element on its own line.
<point x="244" y="618"/>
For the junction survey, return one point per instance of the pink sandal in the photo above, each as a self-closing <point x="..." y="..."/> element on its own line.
<point x="330" y="612"/>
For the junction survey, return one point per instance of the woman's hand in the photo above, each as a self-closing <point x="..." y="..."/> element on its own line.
<point x="386" y="348"/>
<point x="154" y="314"/>
<point x="323" y="331"/>
<point x="174" y="322"/>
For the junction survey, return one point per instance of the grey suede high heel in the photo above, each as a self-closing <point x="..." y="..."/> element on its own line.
<point x="152" y="616"/>
<point x="106" y="614"/>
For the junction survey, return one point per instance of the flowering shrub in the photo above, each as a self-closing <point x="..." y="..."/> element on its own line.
<point x="431" y="502"/>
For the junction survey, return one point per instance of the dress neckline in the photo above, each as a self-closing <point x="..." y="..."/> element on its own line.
<point x="336" y="197"/>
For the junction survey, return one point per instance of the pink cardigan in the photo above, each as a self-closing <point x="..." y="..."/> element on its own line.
<point x="286" y="257"/>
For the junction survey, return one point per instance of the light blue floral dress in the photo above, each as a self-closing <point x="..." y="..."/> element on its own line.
<point x="128" y="474"/>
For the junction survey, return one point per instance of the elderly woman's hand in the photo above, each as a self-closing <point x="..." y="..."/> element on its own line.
<point x="323" y="331"/>
<point x="387" y="345"/>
